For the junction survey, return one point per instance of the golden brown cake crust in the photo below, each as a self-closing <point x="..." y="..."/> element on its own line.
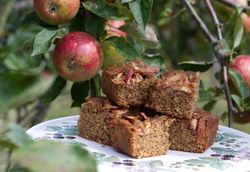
<point x="141" y="136"/>
<point x="95" y="117"/>
<point x="175" y="94"/>
<point x="128" y="85"/>
<point x="196" y="134"/>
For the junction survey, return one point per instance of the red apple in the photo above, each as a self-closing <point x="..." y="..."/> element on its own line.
<point x="112" y="28"/>
<point x="241" y="64"/>
<point x="77" y="56"/>
<point x="56" y="12"/>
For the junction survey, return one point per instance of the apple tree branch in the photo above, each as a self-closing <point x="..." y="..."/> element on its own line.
<point x="215" y="44"/>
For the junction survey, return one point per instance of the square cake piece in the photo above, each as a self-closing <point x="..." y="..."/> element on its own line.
<point x="194" y="135"/>
<point x="140" y="136"/>
<point x="95" y="117"/>
<point x="175" y="93"/>
<point x="127" y="85"/>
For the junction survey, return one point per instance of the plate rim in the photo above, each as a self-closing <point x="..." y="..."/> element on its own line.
<point x="28" y="131"/>
<point x="110" y="166"/>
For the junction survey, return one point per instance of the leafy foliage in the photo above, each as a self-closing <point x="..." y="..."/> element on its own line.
<point x="124" y="48"/>
<point x="161" y="33"/>
<point x="104" y="9"/>
<point x="79" y="91"/>
<point x="76" y="157"/>
<point x="141" y="10"/>
<point x="195" y="66"/>
<point x="239" y="83"/>
<point x="17" y="89"/>
<point x="43" y="41"/>
<point x="55" y="89"/>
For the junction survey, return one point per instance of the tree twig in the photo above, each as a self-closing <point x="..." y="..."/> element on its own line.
<point x="221" y="58"/>
<point x="215" y="19"/>
<point x="228" y="96"/>
<point x="234" y="4"/>
<point x="200" y="23"/>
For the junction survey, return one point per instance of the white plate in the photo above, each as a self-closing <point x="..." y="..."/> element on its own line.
<point x="230" y="152"/>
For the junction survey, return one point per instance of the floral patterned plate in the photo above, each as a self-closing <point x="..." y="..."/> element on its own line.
<point x="230" y="152"/>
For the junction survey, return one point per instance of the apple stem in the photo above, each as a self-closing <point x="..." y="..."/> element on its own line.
<point x="215" y="42"/>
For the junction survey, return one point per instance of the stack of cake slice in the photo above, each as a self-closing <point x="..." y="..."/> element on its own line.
<point x="144" y="116"/>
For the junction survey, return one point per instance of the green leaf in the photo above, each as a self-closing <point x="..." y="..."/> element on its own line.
<point x="32" y="18"/>
<point x="141" y="10"/>
<point x="110" y="55"/>
<point x="237" y="100"/>
<point x="17" y="135"/>
<point x="238" y="33"/>
<point x="96" y="83"/>
<point x="18" y="168"/>
<point x="157" y="61"/>
<point x="78" y="23"/>
<point x="104" y="10"/>
<point x="223" y="48"/>
<point x="17" y="63"/>
<point x="95" y="26"/>
<point x="195" y="66"/>
<point x="230" y="26"/>
<point x="148" y="36"/>
<point x="43" y="41"/>
<point x="124" y="48"/>
<point x="17" y="89"/>
<point x="54" y="155"/>
<point x="5" y="143"/>
<point x="207" y="95"/>
<point x="239" y="83"/>
<point x="246" y="104"/>
<point x="54" y="91"/>
<point x="210" y="105"/>
<point x="79" y="91"/>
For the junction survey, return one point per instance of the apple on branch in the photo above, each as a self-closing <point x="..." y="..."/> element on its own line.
<point x="56" y="12"/>
<point x="77" y="56"/>
<point x="241" y="64"/>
